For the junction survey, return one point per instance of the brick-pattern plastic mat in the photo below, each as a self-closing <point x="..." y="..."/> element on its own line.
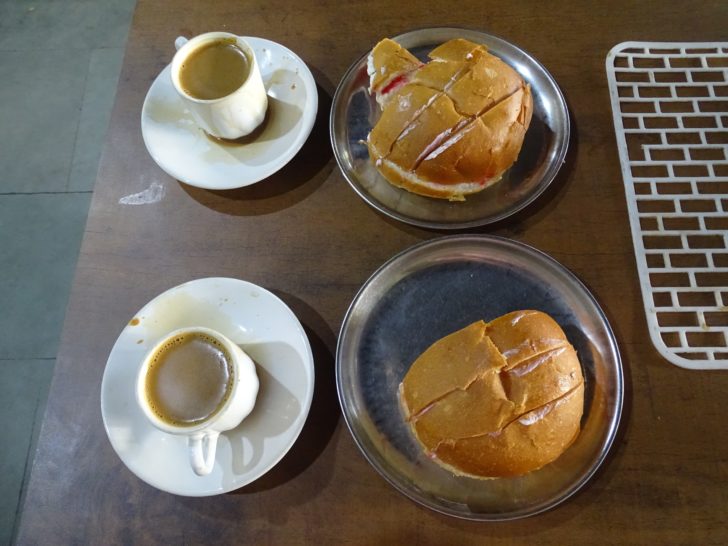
<point x="670" y="109"/>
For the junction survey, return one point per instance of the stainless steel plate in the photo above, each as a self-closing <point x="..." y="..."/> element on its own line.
<point x="354" y="113"/>
<point x="431" y="290"/>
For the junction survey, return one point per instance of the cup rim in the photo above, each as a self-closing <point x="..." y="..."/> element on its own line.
<point x="207" y="424"/>
<point x="194" y="43"/>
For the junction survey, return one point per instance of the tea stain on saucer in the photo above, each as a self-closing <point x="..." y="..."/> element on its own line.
<point x="255" y="148"/>
<point x="170" y="110"/>
<point x="180" y="309"/>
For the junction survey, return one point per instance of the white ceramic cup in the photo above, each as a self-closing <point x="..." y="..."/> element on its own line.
<point x="234" y="115"/>
<point x="202" y="437"/>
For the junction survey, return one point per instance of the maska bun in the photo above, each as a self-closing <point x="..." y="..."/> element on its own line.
<point x="450" y="127"/>
<point x="497" y="399"/>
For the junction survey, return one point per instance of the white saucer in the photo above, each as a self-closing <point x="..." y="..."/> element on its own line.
<point x="273" y="337"/>
<point x="186" y="153"/>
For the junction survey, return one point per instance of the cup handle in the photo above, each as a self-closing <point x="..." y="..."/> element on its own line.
<point x="180" y="41"/>
<point x="202" y="449"/>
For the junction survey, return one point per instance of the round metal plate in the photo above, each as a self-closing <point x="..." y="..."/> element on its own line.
<point x="354" y="113"/>
<point x="432" y="290"/>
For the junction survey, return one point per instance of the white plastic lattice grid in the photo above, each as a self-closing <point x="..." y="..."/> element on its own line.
<point x="670" y="109"/>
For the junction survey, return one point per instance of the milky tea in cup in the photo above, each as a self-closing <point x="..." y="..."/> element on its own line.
<point x="217" y="76"/>
<point x="189" y="379"/>
<point x="197" y="383"/>
<point x="214" y="70"/>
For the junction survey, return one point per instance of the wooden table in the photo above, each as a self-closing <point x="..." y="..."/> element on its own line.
<point x="306" y="236"/>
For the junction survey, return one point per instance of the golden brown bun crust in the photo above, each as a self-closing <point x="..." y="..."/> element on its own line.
<point x="454" y="50"/>
<point x="452" y="364"/>
<point x="496" y="399"/>
<point x="521" y="446"/>
<point x="484" y="149"/>
<point x="387" y="61"/>
<point x="451" y="127"/>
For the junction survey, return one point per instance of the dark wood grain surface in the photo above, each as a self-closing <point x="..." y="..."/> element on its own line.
<point x="306" y="236"/>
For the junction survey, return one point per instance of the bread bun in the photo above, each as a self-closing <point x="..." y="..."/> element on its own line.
<point x="497" y="399"/>
<point x="450" y="127"/>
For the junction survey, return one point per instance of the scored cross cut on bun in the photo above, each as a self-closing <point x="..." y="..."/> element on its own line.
<point x="497" y="399"/>
<point x="450" y="127"/>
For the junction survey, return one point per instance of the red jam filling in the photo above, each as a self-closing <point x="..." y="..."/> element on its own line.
<point x="394" y="84"/>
